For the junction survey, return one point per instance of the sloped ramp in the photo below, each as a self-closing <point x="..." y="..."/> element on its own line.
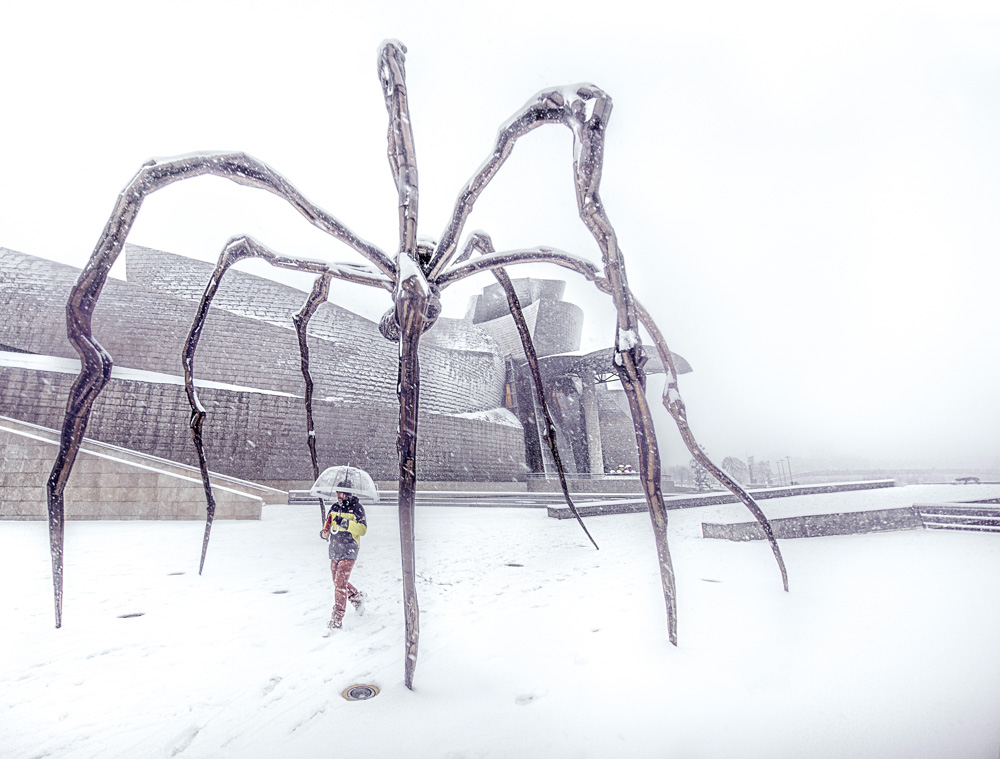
<point x="109" y="482"/>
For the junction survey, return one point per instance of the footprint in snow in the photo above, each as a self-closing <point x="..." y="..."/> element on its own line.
<point x="184" y="740"/>
<point x="271" y="685"/>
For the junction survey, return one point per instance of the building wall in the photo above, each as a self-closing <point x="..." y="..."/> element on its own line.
<point x="262" y="436"/>
<point x="256" y="423"/>
<point x="492" y="302"/>
<point x="144" y="328"/>
<point x="555" y="327"/>
<point x="349" y="359"/>
<point x="251" y="431"/>
<point x="617" y="430"/>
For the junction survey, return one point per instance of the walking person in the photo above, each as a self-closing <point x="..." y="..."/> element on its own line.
<point x="344" y="526"/>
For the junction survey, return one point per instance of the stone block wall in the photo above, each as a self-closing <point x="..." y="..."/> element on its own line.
<point x="256" y="423"/>
<point x="105" y="484"/>
<point x="262" y="436"/>
<point x="461" y="365"/>
<point x="146" y="329"/>
<point x="820" y="525"/>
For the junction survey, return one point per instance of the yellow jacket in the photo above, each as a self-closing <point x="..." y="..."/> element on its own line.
<point x="354" y="513"/>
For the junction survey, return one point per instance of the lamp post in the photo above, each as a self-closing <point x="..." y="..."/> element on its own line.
<point x="788" y="464"/>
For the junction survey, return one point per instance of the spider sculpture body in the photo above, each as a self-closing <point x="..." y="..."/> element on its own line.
<point x="414" y="276"/>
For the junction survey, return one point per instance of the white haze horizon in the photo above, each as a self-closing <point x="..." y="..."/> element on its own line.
<point x="805" y="197"/>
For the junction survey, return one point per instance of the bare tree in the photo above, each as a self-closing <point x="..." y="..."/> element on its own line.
<point x="737" y="468"/>
<point x="700" y="475"/>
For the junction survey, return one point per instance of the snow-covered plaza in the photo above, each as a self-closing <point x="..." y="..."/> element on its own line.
<point x="532" y="643"/>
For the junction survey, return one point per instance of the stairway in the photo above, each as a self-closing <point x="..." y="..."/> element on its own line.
<point x="950" y="516"/>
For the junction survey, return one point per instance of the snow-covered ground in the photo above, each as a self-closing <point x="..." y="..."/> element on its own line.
<point x="533" y="644"/>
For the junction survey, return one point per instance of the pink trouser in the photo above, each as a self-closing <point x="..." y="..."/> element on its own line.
<point x="341" y="571"/>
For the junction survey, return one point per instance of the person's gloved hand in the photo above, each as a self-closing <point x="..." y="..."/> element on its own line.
<point x="343" y="522"/>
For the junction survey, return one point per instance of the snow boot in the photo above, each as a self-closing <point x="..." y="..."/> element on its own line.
<point x="335" y="623"/>
<point x="358" y="602"/>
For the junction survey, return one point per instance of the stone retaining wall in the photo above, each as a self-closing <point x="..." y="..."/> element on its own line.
<point x="107" y="484"/>
<point x="255" y="428"/>
<point x="261" y="436"/>
<point x="819" y="525"/>
<point x="708" y="499"/>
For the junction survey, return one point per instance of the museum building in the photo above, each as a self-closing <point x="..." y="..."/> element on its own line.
<point x="479" y="418"/>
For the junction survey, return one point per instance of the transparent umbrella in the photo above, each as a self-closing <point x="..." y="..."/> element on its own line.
<point x="344" y="479"/>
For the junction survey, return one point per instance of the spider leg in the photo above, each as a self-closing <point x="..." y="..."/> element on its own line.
<point x="401" y="152"/>
<point x="674" y="404"/>
<point x="236" y="250"/>
<point x="585" y="109"/>
<point x="96" y="363"/>
<point x="671" y="398"/>
<point x="233" y="252"/>
<point x="481" y="241"/>
<point x="588" y="122"/>
<point x="539" y="255"/>
<point x="629" y="367"/>
<point x="411" y="315"/>
<point x="239" y="249"/>
<point x="416" y="307"/>
<point x="96" y="371"/>
<point x="319" y="294"/>
<point x="572" y="106"/>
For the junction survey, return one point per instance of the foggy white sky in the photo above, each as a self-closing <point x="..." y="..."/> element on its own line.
<point x="806" y="194"/>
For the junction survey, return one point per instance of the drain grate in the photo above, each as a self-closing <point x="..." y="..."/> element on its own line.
<point x="360" y="692"/>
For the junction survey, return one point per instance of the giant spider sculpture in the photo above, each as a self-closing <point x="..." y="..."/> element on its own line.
<point x="415" y="277"/>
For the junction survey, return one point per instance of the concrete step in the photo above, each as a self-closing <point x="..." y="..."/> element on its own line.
<point x="959" y="517"/>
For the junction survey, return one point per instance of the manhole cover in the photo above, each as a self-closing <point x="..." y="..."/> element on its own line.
<point x="133" y="614"/>
<point x="360" y="692"/>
